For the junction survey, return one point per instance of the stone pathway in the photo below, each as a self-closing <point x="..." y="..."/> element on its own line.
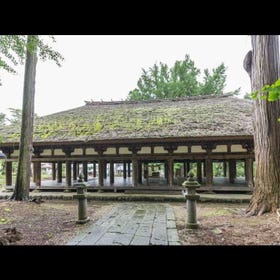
<point x="133" y="224"/>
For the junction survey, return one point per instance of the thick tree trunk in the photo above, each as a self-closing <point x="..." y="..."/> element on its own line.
<point x="265" y="70"/>
<point x="21" y="191"/>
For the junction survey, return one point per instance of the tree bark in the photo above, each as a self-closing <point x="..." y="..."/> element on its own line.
<point x="21" y="191"/>
<point x="265" y="70"/>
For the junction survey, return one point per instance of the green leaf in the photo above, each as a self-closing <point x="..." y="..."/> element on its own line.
<point x="272" y="96"/>
<point x="266" y="88"/>
<point x="263" y="97"/>
<point x="254" y="94"/>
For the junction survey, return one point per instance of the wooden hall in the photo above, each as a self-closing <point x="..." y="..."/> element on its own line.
<point x="142" y="145"/>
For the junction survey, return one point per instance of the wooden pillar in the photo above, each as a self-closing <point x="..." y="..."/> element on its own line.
<point x="105" y="169"/>
<point x="249" y="177"/>
<point x="166" y="170"/>
<point x="124" y="170"/>
<point x="34" y="172"/>
<point x="188" y="166"/>
<point x="59" y="172"/>
<point x="135" y="171"/>
<point x="68" y="173"/>
<point x="140" y="172"/>
<point x="225" y="168"/>
<point x="75" y="175"/>
<point x="232" y="170"/>
<point x="204" y="169"/>
<point x="8" y="173"/>
<point x="37" y="173"/>
<point x="185" y="169"/>
<point x="199" y="171"/>
<point x="78" y="169"/>
<point x="101" y="173"/>
<point x="209" y="172"/>
<point x="146" y="173"/>
<point x="94" y="170"/>
<point x="112" y="173"/>
<point x="128" y="169"/>
<point x="85" y="171"/>
<point x="170" y="172"/>
<point x="53" y="171"/>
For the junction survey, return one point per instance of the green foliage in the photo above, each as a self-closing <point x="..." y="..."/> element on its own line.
<point x="16" y="115"/>
<point x="2" y="119"/>
<point x="247" y="96"/>
<point x="13" y="50"/>
<point x="269" y="92"/>
<point x="180" y="80"/>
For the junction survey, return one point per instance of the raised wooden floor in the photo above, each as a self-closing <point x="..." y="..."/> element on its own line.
<point x="221" y="184"/>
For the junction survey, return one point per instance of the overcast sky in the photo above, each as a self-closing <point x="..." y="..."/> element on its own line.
<point x="108" y="67"/>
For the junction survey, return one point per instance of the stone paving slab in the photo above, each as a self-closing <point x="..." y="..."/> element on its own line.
<point x="132" y="224"/>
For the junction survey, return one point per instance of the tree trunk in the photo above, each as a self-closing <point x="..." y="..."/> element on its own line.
<point x="264" y="69"/>
<point x="21" y="191"/>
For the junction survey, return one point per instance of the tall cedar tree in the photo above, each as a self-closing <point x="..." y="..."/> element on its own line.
<point x="262" y="65"/>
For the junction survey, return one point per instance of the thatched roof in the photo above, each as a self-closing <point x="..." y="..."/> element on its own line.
<point x="185" y="117"/>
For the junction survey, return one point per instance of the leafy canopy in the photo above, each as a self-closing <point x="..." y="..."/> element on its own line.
<point x="268" y="92"/>
<point x="180" y="80"/>
<point x="13" y="50"/>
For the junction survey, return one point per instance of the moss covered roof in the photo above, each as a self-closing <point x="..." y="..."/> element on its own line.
<point x="185" y="117"/>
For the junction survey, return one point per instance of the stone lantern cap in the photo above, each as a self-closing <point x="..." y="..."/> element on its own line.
<point x="191" y="183"/>
<point x="80" y="185"/>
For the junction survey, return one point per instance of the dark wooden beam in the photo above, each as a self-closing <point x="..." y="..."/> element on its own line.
<point x="166" y="171"/>
<point x="199" y="171"/>
<point x="209" y="172"/>
<point x="105" y="169"/>
<point x="101" y="172"/>
<point x="94" y="169"/>
<point x="68" y="174"/>
<point x="59" y="172"/>
<point x="8" y="173"/>
<point x="112" y="179"/>
<point x="135" y="172"/>
<point x="185" y="169"/>
<point x="75" y="174"/>
<point x="37" y="171"/>
<point x="124" y="170"/>
<point x="140" y="172"/>
<point x="85" y="171"/>
<point x="170" y="172"/>
<point x="129" y="169"/>
<point x="53" y="171"/>
<point x="232" y="170"/>
<point x="225" y="168"/>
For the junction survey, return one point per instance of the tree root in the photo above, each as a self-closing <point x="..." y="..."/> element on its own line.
<point x="11" y="235"/>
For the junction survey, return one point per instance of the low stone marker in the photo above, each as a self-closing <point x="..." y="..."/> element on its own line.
<point x="82" y="201"/>
<point x="191" y="197"/>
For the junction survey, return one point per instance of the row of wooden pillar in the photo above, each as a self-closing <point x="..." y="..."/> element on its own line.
<point x="73" y="168"/>
<point x="75" y="171"/>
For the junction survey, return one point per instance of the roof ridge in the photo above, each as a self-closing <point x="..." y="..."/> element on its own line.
<point x="194" y="97"/>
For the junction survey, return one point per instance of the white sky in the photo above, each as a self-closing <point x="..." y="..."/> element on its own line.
<point x="108" y="67"/>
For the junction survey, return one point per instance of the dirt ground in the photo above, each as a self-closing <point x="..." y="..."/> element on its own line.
<point x="226" y="224"/>
<point x="53" y="222"/>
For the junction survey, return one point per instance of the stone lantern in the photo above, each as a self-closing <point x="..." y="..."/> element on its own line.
<point x="82" y="200"/>
<point x="190" y="186"/>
